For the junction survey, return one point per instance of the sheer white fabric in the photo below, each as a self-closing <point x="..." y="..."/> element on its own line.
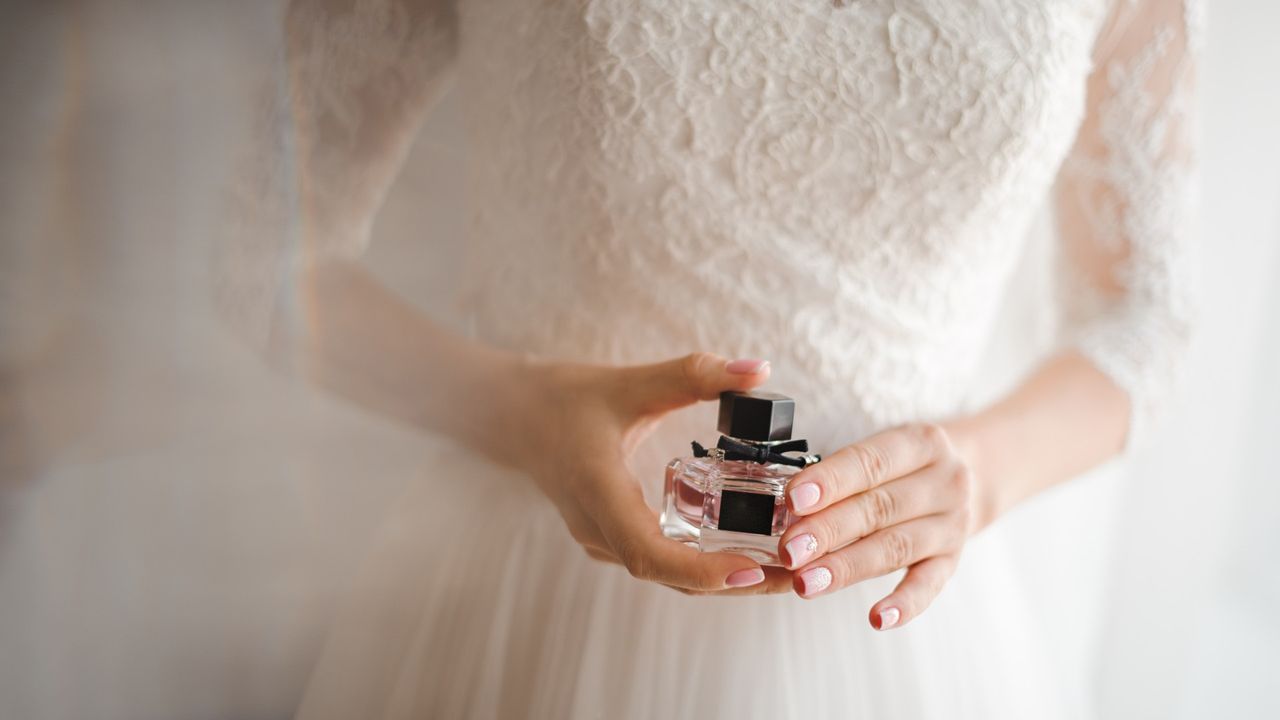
<point x="844" y="190"/>
<point x="1125" y="200"/>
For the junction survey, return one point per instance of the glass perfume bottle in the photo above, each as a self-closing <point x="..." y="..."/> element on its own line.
<point x="730" y="498"/>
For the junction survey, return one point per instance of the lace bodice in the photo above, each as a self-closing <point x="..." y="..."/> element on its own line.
<point x="843" y="190"/>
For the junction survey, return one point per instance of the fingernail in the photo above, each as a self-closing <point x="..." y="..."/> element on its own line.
<point x="801" y="549"/>
<point x="888" y="618"/>
<point x="745" y="578"/>
<point x="746" y="366"/>
<point x="804" y="496"/>
<point x="814" y="581"/>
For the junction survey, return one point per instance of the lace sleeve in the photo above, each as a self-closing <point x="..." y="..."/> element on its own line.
<point x="342" y="108"/>
<point x="1124" y="202"/>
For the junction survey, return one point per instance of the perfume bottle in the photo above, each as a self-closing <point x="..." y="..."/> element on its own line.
<point x="730" y="498"/>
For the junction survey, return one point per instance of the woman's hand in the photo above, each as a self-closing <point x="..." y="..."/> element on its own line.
<point x="900" y="499"/>
<point x="572" y="433"/>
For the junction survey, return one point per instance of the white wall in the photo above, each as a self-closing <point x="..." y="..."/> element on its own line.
<point x="1195" y="630"/>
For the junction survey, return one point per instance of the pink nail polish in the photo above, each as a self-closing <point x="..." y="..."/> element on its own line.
<point x="888" y="618"/>
<point x="746" y="366"/>
<point x="801" y="549"/>
<point x="745" y="578"/>
<point x="804" y="496"/>
<point x="814" y="581"/>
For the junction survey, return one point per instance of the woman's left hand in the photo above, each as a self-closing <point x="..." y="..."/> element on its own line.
<point x="899" y="499"/>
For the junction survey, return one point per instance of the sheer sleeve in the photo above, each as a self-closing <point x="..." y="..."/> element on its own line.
<point x="351" y="88"/>
<point x="1124" y="202"/>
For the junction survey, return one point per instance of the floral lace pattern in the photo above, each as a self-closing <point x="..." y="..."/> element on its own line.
<point x="1129" y="185"/>
<point x="842" y="189"/>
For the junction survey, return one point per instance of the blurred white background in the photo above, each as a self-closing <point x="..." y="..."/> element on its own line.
<point x="176" y="522"/>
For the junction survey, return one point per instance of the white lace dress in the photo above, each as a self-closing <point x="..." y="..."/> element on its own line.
<point x="844" y="190"/>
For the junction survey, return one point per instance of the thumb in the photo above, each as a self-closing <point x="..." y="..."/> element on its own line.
<point x="699" y="376"/>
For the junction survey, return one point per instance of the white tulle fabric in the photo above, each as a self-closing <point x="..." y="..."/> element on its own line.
<point x="842" y="189"/>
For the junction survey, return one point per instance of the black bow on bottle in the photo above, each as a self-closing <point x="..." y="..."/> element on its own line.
<point x="763" y="454"/>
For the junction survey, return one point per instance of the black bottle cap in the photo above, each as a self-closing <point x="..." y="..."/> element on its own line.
<point x="758" y="416"/>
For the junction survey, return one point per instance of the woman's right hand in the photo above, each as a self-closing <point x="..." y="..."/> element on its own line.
<point x="569" y="427"/>
<point x="573" y="433"/>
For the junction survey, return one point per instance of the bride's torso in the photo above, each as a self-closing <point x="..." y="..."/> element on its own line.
<point x="841" y="190"/>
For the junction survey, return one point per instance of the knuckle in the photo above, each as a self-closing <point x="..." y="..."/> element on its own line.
<point x="844" y="570"/>
<point x="709" y="580"/>
<point x="872" y="463"/>
<point x="880" y="508"/>
<point x="932" y="434"/>
<point x="694" y="578"/>
<point x="638" y="568"/>
<point x="821" y="476"/>
<point x="692" y="367"/>
<point x="634" y="559"/>
<point x="961" y="480"/>
<point x="897" y="549"/>
<point x="824" y="529"/>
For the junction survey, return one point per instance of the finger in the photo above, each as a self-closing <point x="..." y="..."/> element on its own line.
<point x="776" y="581"/>
<point x="880" y="553"/>
<point x="632" y="531"/>
<point x="675" y="383"/>
<point x="864" y="465"/>
<point x="921" y="493"/>
<point x="922" y="583"/>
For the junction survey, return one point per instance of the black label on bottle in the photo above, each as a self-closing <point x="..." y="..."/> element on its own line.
<point x="746" y="512"/>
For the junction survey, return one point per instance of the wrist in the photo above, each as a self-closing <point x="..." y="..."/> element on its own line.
<point x="970" y="443"/>
<point x="492" y="396"/>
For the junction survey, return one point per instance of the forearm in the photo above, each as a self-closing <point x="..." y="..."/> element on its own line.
<point x="1066" y="418"/>
<point x="356" y="338"/>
